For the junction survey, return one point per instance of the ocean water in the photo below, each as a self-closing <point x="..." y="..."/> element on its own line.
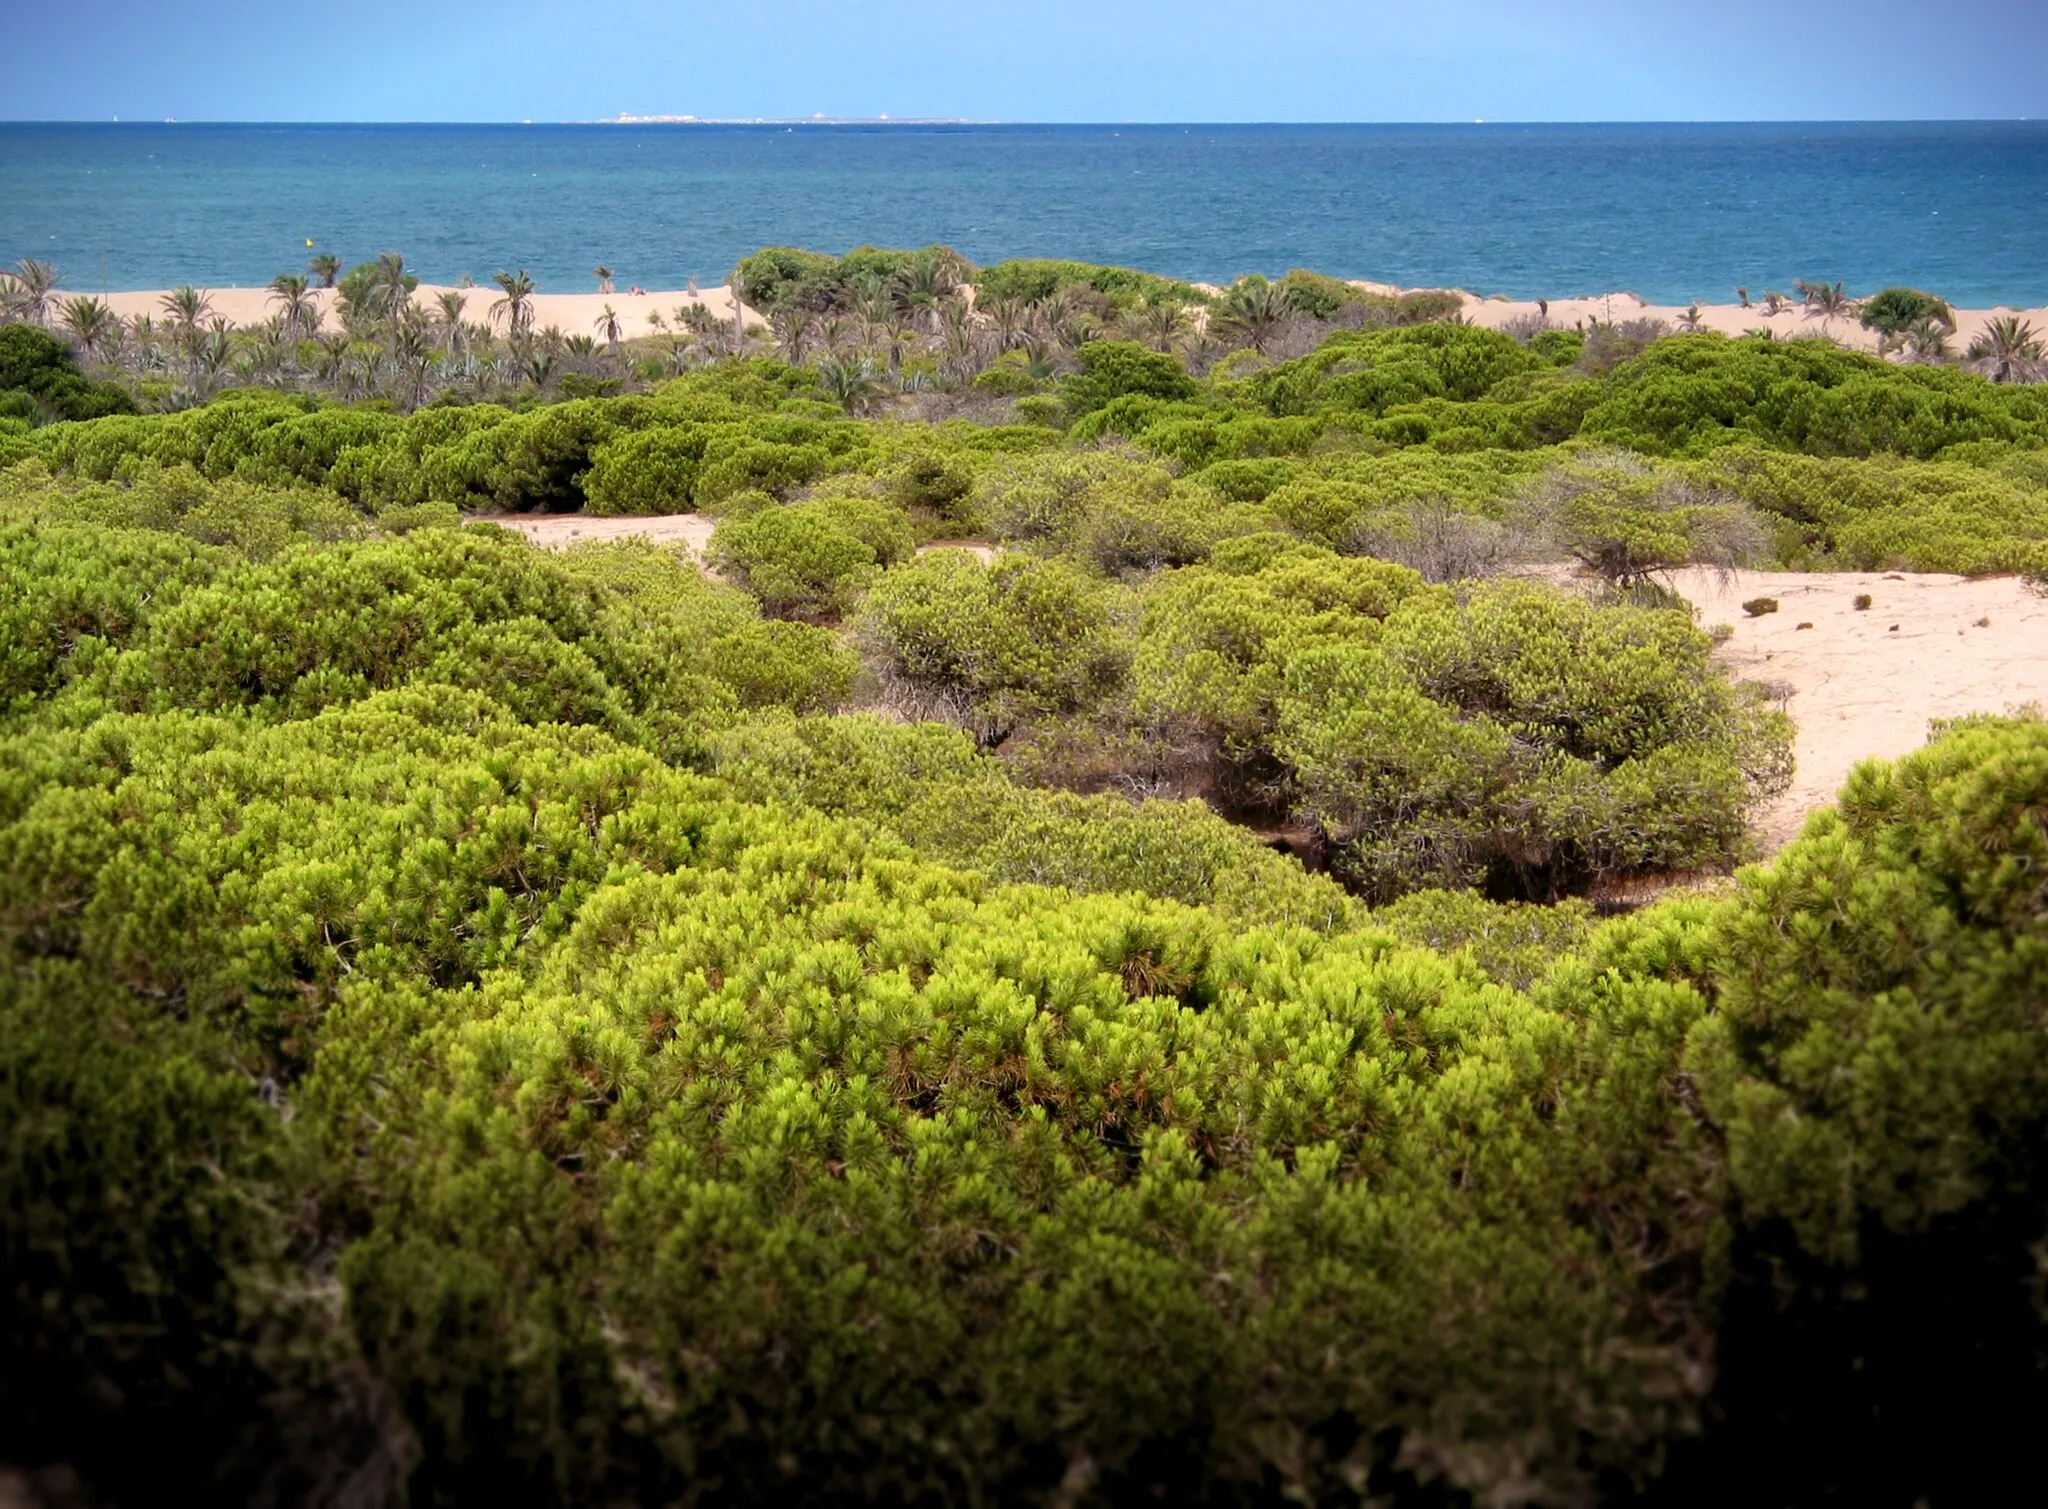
<point x="1673" y="212"/>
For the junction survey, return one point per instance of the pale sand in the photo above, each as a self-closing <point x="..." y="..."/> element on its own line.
<point x="571" y="313"/>
<point x="558" y="531"/>
<point x="1863" y="684"/>
<point x="579" y="313"/>
<point x="1729" y="319"/>
<point x="561" y="530"/>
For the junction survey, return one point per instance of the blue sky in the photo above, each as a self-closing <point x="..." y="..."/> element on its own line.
<point x="1041" y="60"/>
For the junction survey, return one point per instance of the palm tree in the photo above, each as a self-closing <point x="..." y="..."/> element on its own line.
<point x="604" y="279"/>
<point x="1825" y="299"/>
<point x="92" y="324"/>
<point x="212" y="354"/>
<point x="36" y="285"/>
<point x="925" y="286"/>
<point x="393" y="291"/>
<point x="268" y="351"/>
<point x="1689" y="322"/>
<point x="333" y="356"/>
<point x="2007" y="350"/>
<point x="448" y="309"/>
<point x="791" y="327"/>
<point x="855" y="386"/>
<point x="290" y="291"/>
<point x="1069" y="318"/>
<point x="517" y="304"/>
<point x="1254" y="312"/>
<point x="1160" y="325"/>
<point x="185" y="307"/>
<point x="539" y="367"/>
<point x="1009" y="320"/>
<point x="607" y="325"/>
<point x="325" y="267"/>
<point x="1926" y="341"/>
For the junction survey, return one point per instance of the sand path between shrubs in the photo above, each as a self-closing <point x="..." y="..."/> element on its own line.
<point x="1859" y="683"/>
<point x="560" y="530"/>
<point x="1864" y="683"/>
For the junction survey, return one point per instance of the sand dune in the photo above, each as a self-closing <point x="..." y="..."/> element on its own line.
<point x="1863" y="684"/>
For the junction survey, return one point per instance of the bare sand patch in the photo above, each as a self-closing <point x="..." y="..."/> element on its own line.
<point x="558" y="531"/>
<point x="1862" y="684"/>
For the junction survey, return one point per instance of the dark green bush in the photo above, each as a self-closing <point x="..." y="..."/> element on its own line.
<point x="39" y="381"/>
<point x="1895" y="309"/>
<point x="810" y="559"/>
<point x="1028" y="280"/>
<point x="1119" y="369"/>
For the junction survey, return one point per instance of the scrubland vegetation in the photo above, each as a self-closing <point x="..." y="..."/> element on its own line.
<point x="1118" y="1007"/>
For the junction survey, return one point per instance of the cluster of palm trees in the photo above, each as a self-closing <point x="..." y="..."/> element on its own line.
<point x="369" y="338"/>
<point x="367" y="334"/>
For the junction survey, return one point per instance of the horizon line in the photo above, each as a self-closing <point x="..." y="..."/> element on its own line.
<point x="685" y="121"/>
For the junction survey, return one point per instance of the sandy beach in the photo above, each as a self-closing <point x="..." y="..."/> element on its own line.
<point x="571" y="313"/>
<point x="1789" y="323"/>
<point x="581" y="313"/>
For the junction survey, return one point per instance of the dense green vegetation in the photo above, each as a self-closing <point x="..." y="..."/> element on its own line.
<point x="1109" y="1009"/>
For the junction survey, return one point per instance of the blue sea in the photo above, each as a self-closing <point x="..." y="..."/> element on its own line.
<point x="1673" y="212"/>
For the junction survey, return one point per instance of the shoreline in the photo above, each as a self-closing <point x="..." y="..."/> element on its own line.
<point x="579" y="313"/>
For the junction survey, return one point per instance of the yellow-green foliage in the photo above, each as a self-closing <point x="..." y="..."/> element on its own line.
<point x="1522" y="739"/>
<point x="1893" y="514"/>
<point x="932" y="787"/>
<point x="988" y="645"/>
<point x="1113" y="512"/>
<point x="477" y="1025"/>
<point x="806" y="559"/>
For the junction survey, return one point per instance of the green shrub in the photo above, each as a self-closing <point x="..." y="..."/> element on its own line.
<point x="1526" y="741"/>
<point x="411" y="1078"/>
<point x="1119" y="369"/>
<point x="38" y="374"/>
<point x="1029" y="280"/>
<point x="1866" y="1051"/>
<point x="648" y="472"/>
<point x="1895" y="309"/>
<point x="985" y="646"/>
<point x="1514" y="942"/>
<point x="809" y="559"/>
<point x="1629" y="521"/>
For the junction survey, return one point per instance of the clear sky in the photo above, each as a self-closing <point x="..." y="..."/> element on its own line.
<point x="1038" y="60"/>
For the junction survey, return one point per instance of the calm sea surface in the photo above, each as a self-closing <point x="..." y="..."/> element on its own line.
<point x="1674" y="212"/>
